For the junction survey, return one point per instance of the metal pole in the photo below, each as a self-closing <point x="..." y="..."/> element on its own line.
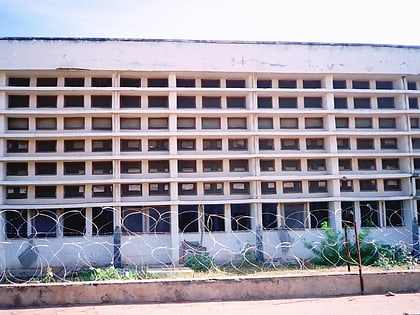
<point x="346" y="240"/>
<point x="359" y="259"/>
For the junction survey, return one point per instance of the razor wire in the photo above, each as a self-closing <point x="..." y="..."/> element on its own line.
<point x="59" y="244"/>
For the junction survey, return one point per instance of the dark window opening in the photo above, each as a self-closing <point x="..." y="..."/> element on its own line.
<point x="392" y="184"/>
<point x="269" y="216"/>
<point x="210" y="83"/>
<point x="290" y="165"/>
<point x="415" y="142"/>
<point x="238" y="144"/>
<point x="413" y="103"/>
<point x="287" y="84"/>
<point x="74" y="168"/>
<point x="158" y="82"/>
<point x="389" y="143"/>
<point x="158" y="123"/>
<point x="187" y="189"/>
<point x="264" y="84"/>
<point x="46" y="168"/>
<point x="213" y="188"/>
<point x="18" y="101"/>
<point x="101" y="101"/>
<point x="212" y="102"/>
<point x="368" y="185"/>
<point x="265" y="102"/>
<point x="369" y="213"/>
<point x="46" y="124"/>
<point x="318" y="212"/>
<point x="340" y="102"/>
<point x="188" y="218"/>
<point x="384" y="85"/>
<point x="315" y="144"/>
<point x="290" y="187"/>
<point x="267" y="166"/>
<point x="17" y="123"/>
<point x="365" y="144"/>
<point x="237" y="123"/>
<point x="102" y="221"/>
<point x="361" y="102"/>
<point x="74" y="123"/>
<point x="347" y="213"/>
<point x="130" y="101"/>
<point x="265" y="123"/>
<point x="74" y="191"/>
<point x="344" y="165"/>
<point x="102" y="145"/>
<point x="266" y="144"/>
<point x="311" y="84"/>
<point x="238" y="166"/>
<point x="130" y="145"/>
<point x="241" y="217"/>
<point x="314" y="123"/>
<point x="212" y="144"/>
<point x="412" y="86"/>
<point x="44" y="223"/>
<point x="158" y="102"/>
<point x="387" y="123"/>
<point x="130" y="123"/>
<point x="46" y="101"/>
<point x="392" y="164"/>
<point x="45" y="191"/>
<point x="318" y="186"/>
<point x="185" y="102"/>
<point x="102" y="191"/>
<point x="101" y="123"/>
<point x="101" y="82"/>
<point x="343" y="144"/>
<point x="74" y="145"/>
<point x="74" y="222"/>
<point x="212" y="166"/>
<point x="14" y="81"/>
<point x="394" y="213"/>
<point x="158" y="145"/>
<point x="159" y="219"/>
<point x="17" y="192"/>
<point x="46" y="82"/>
<point x="132" y="220"/>
<point x="46" y="146"/>
<point x="186" y="144"/>
<point x="313" y="102"/>
<point x="346" y="185"/>
<point x="131" y="167"/>
<point x="187" y="166"/>
<point x="185" y="123"/>
<point x="366" y="164"/>
<point x="268" y="188"/>
<point x="130" y="82"/>
<point x="235" y="83"/>
<point x="17" y="169"/>
<point x="159" y="166"/>
<point x="186" y="83"/>
<point x="386" y="102"/>
<point x="294" y="215"/>
<point x="339" y="84"/>
<point x="16" y="223"/>
<point x="74" y="82"/>
<point x="239" y="188"/>
<point x="287" y="102"/>
<point x="341" y="122"/>
<point x="214" y="218"/>
<point x="357" y="84"/>
<point x="236" y="102"/>
<point x="130" y="190"/>
<point x="316" y="165"/>
<point x="159" y="189"/>
<point x="289" y="144"/>
<point x="102" y="168"/>
<point x="74" y="101"/>
<point x="210" y="123"/>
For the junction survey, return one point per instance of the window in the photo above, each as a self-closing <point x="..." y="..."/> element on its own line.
<point x="212" y="102"/>
<point x="368" y="185"/>
<point x="16" y="81"/>
<point x="158" y="123"/>
<point x="266" y="144"/>
<point x="290" y="144"/>
<point x="394" y="213"/>
<point x="74" y="101"/>
<point x="358" y="84"/>
<point x="101" y="101"/>
<point x="18" y="101"/>
<point x="390" y="164"/>
<point x="17" y="169"/>
<point x="238" y="166"/>
<point x="188" y="218"/>
<point x="158" y="145"/>
<point x="339" y="84"/>
<point x="46" y="82"/>
<point x="130" y="82"/>
<point x="369" y="213"/>
<point x="414" y="123"/>
<point x="341" y="122"/>
<point x="17" y="123"/>
<point x="314" y="144"/>
<point x="318" y="212"/>
<point x="185" y="102"/>
<point x="74" y="191"/>
<point x="346" y="185"/>
<point x="287" y="84"/>
<point x="159" y="219"/>
<point x="210" y="123"/>
<point x="74" y="123"/>
<point x="102" y="221"/>
<point x="238" y="144"/>
<point x="74" y="82"/>
<point x="236" y="102"/>
<point x="289" y="123"/>
<point x="157" y="82"/>
<point x="74" y="168"/>
<point x="130" y="101"/>
<point x="264" y="84"/>
<point x="102" y="191"/>
<point x="130" y="145"/>
<point x="44" y="223"/>
<point x="186" y="144"/>
<point x="366" y="164"/>
<point x="212" y="144"/>
<point x="318" y="186"/>
<point x="74" y="145"/>
<point x="416" y="164"/>
<point x="185" y="123"/>
<point x="340" y="102"/>
<point x="290" y="187"/>
<point x="101" y="82"/>
<point x="159" y="189"/>
<point x="45" y="168"/>
<point x="131" y="190"/>
<point x="237" y="123"/>
<point x="415" y="142"/>
<point x="363" y="122"/>
<point x="265" y="123"/>
<point x="269" y="216"/>
<point x="102" y="168"/>
<point x="101" y="123"/>
<point x="287" y="102"/>
<point x="316" y="165"/>
<point x="313" y="102"/>
<point x="187" y="188"/>
<point x="186" y="83"/>
<point x="159" y="166"/>
<point x="413" y="103"/>
<point x="387" y="123"/>
<point x="187" y="166"/>
<point x="46" y="124"/>
<point x="265" y="102"/>
<point x="17" y="146"/>
<point x="268" y="188"/>
<point x="311" y="84"/>
<point x="16" y="224"/>
<point x="213" y="188"/>
<point x="267" y="166"/>
<point x="290" y="165"/>
<point x="344" y="165"/>
<point x="361" y="102"/>
<point x="314" y="123"/>
<point x="239" y="188"/>
<point x="365" y="144"/>
<point x="214" y="217"/>
<point x="343" y="144"/>
<point x="210" y="83"/>
<point x="384" y="85"/>
<point x="42" y="146"/>
<point x="130" y="123"/>
<point x="212" y="166"/>
<point x="17" y="192"/>
<point x="347" y="215"/>
<point x="294" y="215"/>
<point x="158" y="102"/>
<point x="411" y="85"/>
<point x="393" y="184"/>
<point x="389" y="143"/>
<point x="46" y="101"/>
<point x="74" y="222"/>
<point x="386" y="102"/>
<point x="45" y="191"/>
<point x="130" y="167"/>
<point x="102" y="145"/>
<point x="241" y="217"/>
<point x="235" y="83"/>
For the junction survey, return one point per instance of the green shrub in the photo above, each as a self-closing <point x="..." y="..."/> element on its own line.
<point x="200" y="262"/>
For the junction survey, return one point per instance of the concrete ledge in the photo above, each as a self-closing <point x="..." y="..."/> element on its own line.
<point x="148" y="291"/>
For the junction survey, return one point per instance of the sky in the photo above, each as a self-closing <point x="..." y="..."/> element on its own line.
<point x="333" y="21"/>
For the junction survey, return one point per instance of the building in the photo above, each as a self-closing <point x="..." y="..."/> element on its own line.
<point x="134" y="146"/>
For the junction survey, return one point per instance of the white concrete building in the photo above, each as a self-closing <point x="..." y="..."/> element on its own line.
<point x="148" y="136"/>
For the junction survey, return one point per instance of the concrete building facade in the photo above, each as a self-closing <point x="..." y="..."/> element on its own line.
<point x="140" y="145"/>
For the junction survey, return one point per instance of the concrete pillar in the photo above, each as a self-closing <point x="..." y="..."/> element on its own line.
<point x="335" y="215"/>
<point x="175" y="240"/>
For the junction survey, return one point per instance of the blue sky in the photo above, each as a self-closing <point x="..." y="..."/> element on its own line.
<point x="342" y="21"/>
